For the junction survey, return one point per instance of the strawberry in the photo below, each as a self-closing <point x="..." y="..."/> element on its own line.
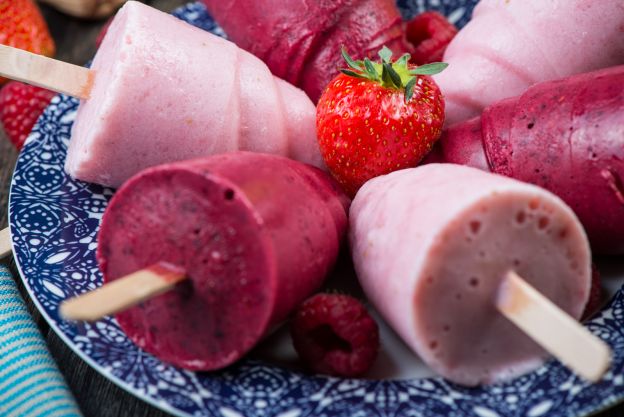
<point x="375" y="118"/>
<point x="430" y="33"/>
<point x="23" y="27"/>
<point x="334" y="334"/>
<point x="20" y="107"/>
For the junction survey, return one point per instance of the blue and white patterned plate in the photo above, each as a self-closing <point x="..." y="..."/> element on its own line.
<point x="54" y="222"/>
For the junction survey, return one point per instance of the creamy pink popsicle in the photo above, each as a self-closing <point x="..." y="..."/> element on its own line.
<point x="510" y="45"/>
<point x="431" y="246"/>
<point x="564" y="135"/>
<point x="255" y="233"/>
<point x="167" y="91"/>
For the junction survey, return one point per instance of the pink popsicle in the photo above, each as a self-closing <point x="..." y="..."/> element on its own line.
<point x="255" y="233"/>
<point x="167" y="91"/>
<point x="511" y="44"/>
<point x="431" y="246"/>
<point x="566" y="136"/>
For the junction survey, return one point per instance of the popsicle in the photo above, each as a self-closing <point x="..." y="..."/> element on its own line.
<point x="254" y="234"/>
<point x="510" y="45"/>
<point x="432" y="247"/>
<point x="566" y="136"/>
<point x="300" y="41"/>
<point x="160" y="90"/>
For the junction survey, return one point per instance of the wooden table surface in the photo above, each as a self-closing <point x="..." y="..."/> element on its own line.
<point x="96" y="396"/>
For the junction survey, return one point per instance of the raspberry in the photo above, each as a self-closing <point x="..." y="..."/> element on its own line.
<point x="334" y="334"/>
<point x="430" y="33"/>
<point x="595" y="294"/>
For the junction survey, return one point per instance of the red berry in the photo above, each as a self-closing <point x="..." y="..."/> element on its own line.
<point x="23" y="27"/>
<point x="334" y="334"/>
<point x="595" y="294"/>
<point x="20" y="107"/>
<point x="367" y="125"/>
<point x="430" y="33"/>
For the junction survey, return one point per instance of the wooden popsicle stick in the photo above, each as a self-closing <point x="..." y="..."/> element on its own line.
<point x="5" y="242"/>
<point x="553" y="329"/>
<point x="123" y="293"/>
<point x="45" y="72"/>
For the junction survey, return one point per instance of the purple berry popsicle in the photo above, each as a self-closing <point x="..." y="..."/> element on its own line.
<point x="164" y="91"/>
<point x="300" y="41"/>
<point x="431" y="246"/>
<point x="566" y="136"/>
<point x="255" y="233"/>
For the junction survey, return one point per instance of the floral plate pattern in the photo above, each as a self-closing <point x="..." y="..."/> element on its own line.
<point x="54" y="222"/>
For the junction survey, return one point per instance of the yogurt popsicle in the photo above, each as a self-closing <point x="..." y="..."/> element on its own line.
<point x="165" y="91"/>
<point x="255" y="233"/>
<point x="510" y="45"/>
<point x="566" y="136"/>
<point x="431" y="246"/>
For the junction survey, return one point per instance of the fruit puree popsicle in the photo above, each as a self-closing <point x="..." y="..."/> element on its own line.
<point x="255" y="233"/>
<point x="431" y="246"/>
<point x="300" y="41"/>
<point x="165" y="91"/>
<point x="510" y="45"/>
<point x="566" y="136"/>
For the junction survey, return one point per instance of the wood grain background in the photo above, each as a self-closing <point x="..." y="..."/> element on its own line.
<point x="96" y="396"/>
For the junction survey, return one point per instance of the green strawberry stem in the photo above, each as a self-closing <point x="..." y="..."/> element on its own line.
<point x="396" y="75"/>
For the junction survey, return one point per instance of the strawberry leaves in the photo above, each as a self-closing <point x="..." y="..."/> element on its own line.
<point x="370" y="69"/>
<point x="385" y="54"/>
<point x="350" y="62"/>
<point x="390" y="76"/>
<point x="429" y="69"/>
<point x="409" y="89"/>
<point x="394" y="75"/>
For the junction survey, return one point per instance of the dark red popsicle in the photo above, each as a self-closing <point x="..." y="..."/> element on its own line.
<point x="256" y="234"/>
<point x="566" y="136"/>
<point x="300" y="40"/>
